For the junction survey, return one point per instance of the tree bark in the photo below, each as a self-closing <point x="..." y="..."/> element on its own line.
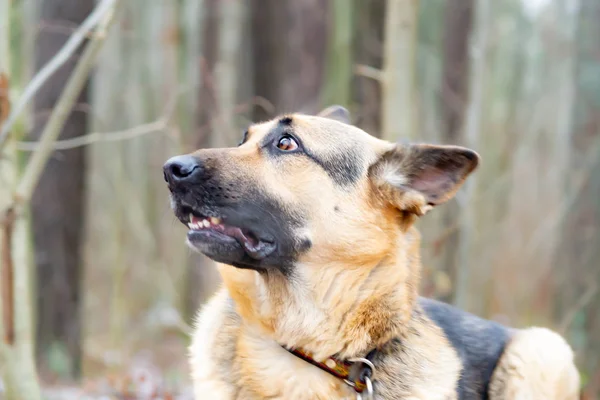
<point x="58" y="201"/>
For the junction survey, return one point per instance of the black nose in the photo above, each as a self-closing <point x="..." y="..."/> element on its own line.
<point x="182" y="168"/>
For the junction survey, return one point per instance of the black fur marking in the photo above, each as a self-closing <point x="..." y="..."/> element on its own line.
<point x="479" y="344"/>
<point x="269" y="219"/>
<point x="305" y="245"/>
<point x="344" y="166"/>
<point x="286" y="121"/>
<point x="244" y="138"/>
<point x="243" y="205"/>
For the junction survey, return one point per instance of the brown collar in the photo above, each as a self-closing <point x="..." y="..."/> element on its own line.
<point x="354" y="372"/>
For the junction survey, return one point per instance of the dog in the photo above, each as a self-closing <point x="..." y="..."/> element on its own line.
<point x="311" y="222"/>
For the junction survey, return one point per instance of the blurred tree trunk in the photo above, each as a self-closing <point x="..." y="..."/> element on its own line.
<point x="208" y="58"/>
<point x="472" y="126"/>
<point x="338" y="80"/>
<point x="223" y="32"/>
<point x="194" y="16"/>
<point x="368" y="49"/>
<point x="457" y="28"/>
<point x="577" y="267"/>
<point x="398" y="93"/>
<point x="17" y="364"/>
<point x="58" y="203"/>
<point x="289" y="40"/>
<point x="232" y="18"/>
<point x="201" y="273"/>
<point x="455" y="73"/>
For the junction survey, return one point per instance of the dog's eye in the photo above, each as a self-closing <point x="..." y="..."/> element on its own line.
<point x="287" y="143"/>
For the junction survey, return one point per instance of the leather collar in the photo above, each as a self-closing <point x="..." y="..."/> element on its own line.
<point x="354" y="372"/>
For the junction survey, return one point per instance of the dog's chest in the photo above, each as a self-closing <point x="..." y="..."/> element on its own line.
<point x="266" y="370"/>
<point x="269" y="371"/>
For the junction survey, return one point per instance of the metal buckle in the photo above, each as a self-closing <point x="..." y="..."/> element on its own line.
<point x="368" y="381"/>
<point x="364" y="361"/>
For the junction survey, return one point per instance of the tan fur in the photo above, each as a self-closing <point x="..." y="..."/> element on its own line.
<point x="212" y="349"/>
<point x="261" y="368"/>
<point x="537" y="364"/>
<point x="356" y="288"/>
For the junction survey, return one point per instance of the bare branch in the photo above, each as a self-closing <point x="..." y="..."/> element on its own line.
<point x="158" y="125"/>
<point x="368" y="72"/>
<point x="55" y="63"/>
<point x="583" y="301"/>
<point x="96" y="137"/>
<point x="63" y="107"/>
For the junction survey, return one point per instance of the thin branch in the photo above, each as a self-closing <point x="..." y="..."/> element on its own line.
<point x="96" y="137"/>
<point x="64" y="105"/>
<point x="583" y="301"/>
<point x="156" y="126"/>
<point x="368" y="72"/>
<point x="55" y="63"/>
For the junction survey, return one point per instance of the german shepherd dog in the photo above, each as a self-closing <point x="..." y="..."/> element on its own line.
<point x="310" y="220"/>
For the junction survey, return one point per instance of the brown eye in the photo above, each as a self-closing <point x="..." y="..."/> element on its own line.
<point x="287" y="143"/>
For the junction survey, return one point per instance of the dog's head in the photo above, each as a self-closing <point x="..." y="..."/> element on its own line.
<point x="309" y="189"/>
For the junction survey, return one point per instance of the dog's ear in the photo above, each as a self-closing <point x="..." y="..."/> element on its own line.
<point x="415" y="178"/>
<point x="337" y="113"/>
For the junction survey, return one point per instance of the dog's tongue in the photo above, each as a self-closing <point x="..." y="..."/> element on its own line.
<point x="254" y="248"/>
<point x="237" y="233"/>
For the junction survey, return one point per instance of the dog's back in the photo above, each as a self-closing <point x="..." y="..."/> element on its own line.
<point x="504" y="363"/>
<point x="478" y="342"/>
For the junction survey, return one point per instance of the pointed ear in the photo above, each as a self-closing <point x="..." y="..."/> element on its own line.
<point x="415" y="178"/>
<point x="337" y="113"/>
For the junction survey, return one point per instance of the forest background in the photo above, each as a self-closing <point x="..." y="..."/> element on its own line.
<point x="98" y="290"/>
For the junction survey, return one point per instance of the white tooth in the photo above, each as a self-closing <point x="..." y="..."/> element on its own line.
<point x="196" y="226"/>
<point x="190" y="225"/>
<point x="206" y="223"/>
<point x="215" y="220"/>
<point x="191" y="217"/>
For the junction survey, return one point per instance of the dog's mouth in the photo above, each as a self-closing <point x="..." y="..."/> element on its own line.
<point x="212" y="229"/>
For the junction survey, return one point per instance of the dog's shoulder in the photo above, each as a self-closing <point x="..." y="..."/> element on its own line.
<point x="213" y="347"/>
<point x="478" y="342"/>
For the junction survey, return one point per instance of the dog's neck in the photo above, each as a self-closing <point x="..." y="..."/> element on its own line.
<point x="347" y="312"/>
